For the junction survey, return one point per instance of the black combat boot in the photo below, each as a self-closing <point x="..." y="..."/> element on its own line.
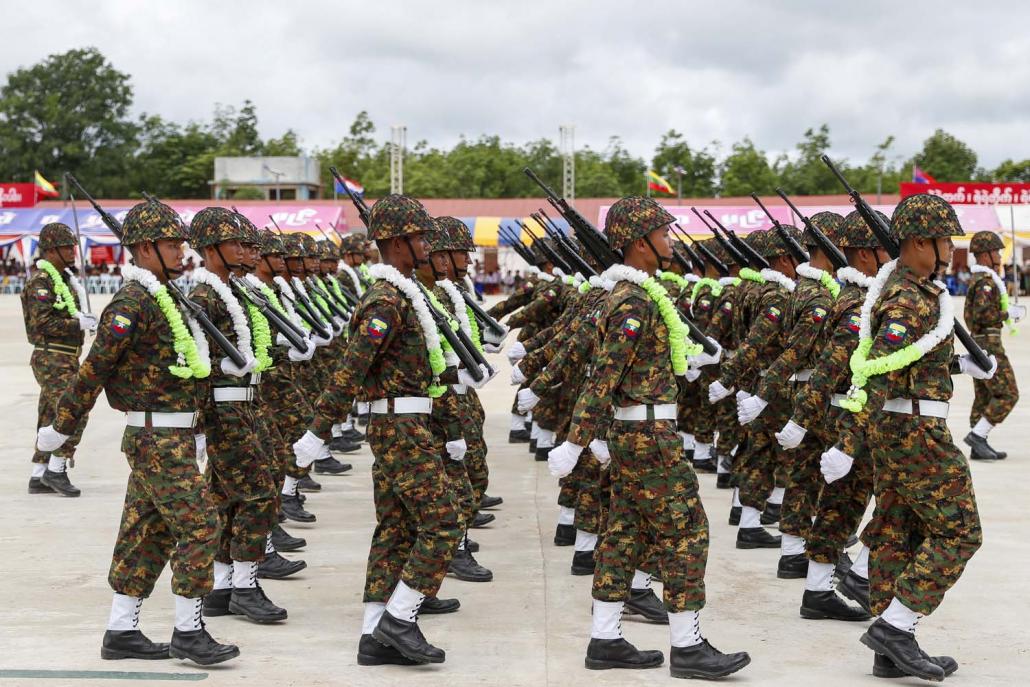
<point x="541" y="453"/>
<point x="901" y="648"/>
<point x="275" y="567"/>
<point x="482" y="520"/>
<point x="200" y="647"/>
<point x="704" y="661"/>
<point x="646" y="603"/>
<point x="828" y="606"/>
<point x="406" y="637"/>
<point x="291" y="508"/>
<point x="565" y="535"/>
<point x="471" y="545"/>
<point x="706" y="465"/>
<point x="216" y="603"/>
<point x="771" y="514"/>
<point x="342" y="445"/>
<point x="518" y="436"/>
<point x="330" y="466"/>
<point x="756" y="538"/>
<point x="131" y="644"/>
<point x="793" y="567"/>
<point x="532" y="445"/>
<point x="843" y="565"/>
<point x="306" y="483"/>
<point x="284" y="541"/>
<point x="465" y="567"/>
<point x="884" y="667"/>
<point x="353" y="435"/>
<point x="980" y="449"/>
<point x="490" y="501"/>
<point x="857" y="589"/>
<point x="583" y="563"/>
<point x="373" y="653"/>
<point x="59" y="482"/>
<point x="724" y="480"/>
<point x="253" y="603"/>
<point x="434" y="606"/>
<point x="603" y="654"/>
<point x="36" y="486"/>
<point x="735" y="515"/>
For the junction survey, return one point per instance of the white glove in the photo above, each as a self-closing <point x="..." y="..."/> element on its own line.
<point x="717" y="392"/>
<point x="48" y="439"/>
<point x="201" y="441"/>
<point x="298" y="356"/>
<point x="281" y="340"/>
<point x="967" y="366"/>
<point x="750" y="408"/>
<point x="791" y="435"/>
<point x="87" y="321"/>
<point x="692" y="374"/>
<point x="319" y="341"/>
<point x="835" y="464"/>
<point x="308" y="449"/>
<point x="741" y="395"/>
<point x="456" y="449"/>
<point x="336" y="324"/>
<point x="516" y="376"/>
<point x="526" y="400"/>
<point x="465" y="378"/>
<point x="491" y="338"/>
<point x="600" y="450"/>
<point x="562" y="459"/>
<point x="492" y="348"/>
<point x="1017" y="312"/>
<point x="516" y="352"/>
<point x="229" y="367"/>
<point x="702" y="358"/>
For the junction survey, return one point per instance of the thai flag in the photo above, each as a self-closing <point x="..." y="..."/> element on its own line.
<point x="355" y="188"/>
<point x="920" y="176"/>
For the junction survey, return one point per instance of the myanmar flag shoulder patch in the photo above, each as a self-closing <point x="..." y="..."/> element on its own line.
<point x="895" y="332"/>
<point x="854" y="323"/>
<point x="727" y="306"/>
<point x="377" y="329"/>
<point x="121" y="325"/>
<point x="773" y="313"/>
<point x="42" y="294"/>
<point x="818" y="314"/>
<point x="631" y="327"/>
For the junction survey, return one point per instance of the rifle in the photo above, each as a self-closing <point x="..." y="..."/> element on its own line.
<point x="709" y="257"/>
<point x="696" y="261"/>
<point x="742" y="247"/>
<point x="296" y="337"/>
<point x="793" y="247"/>
<point x="736" y="255"/>
<point x="835" y="254"/>
<point x="466" y="351"/>
<point x="78" y="238"/>
<point x="359" y="203"/>
<point x="516" y="243"/>
<point x="882" y="233"/>
<point x="307" y="310"/>
<point x="551" y="255"/>
<point x="330" y="301"/>
<point x="482" y="317"/>
<point x="192" y="309"/>
<point x="567" y="249"/>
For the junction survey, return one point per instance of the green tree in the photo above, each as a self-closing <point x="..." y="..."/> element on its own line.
<point x="694" y="169"/>
<point x="286" y="145"/>
<point x="1010" y="170"/>
<point x="947" y="158"/>
<point x="746" y="170"/>
<point x="807" y="175"/>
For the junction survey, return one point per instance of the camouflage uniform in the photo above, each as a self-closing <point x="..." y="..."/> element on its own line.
<point x="56" y="337"/>
<point x="925" y="526"/>
<point x="168" y="514"/>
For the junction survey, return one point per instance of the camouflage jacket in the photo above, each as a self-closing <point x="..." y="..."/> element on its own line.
<point x="520" y="297"/>
<point x="764" y="339"/>
<point x="803" y="325"/>
<point x="540" y="311"/>
<point x="574" y="350"/>
<point x="44" y="322"/>
<point x="701" y="307"/>
<point x="631" y="365"/>
<point x="983" y="305"/>
<point x="744" y="306"/>
<point x="720" y="324"/>
<point x="129" y="361"/>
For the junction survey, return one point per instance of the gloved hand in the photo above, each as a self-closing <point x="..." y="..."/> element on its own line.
<point x="87" y="321"/>
<point x="281" y="340"/>
<point x="456" y="449"/>
<point x="340" y="322"/>
<point x="835" y="464"/>
<point x="741" y="395"/>
<point x="48" y="439"/>
<point x="297" y="356"/>
<point x="201" y="441"/>
<point x="516" y="352"/>
<point x="337" y="325"/>
<point x="526" y="400"/>
<point x="562" y="459"/>
<point x="229" y="367"/>
<point x="308" y="449"/>
<point x="492" y="348"/>
<point x="791" y="435"/>
<point x="600" y="450"/>
<point x="702" y="358"/>
<point x="692" y="374"/>
<point x="750" y="408"/>
<point x="490" y="337"/>
<point x="966" y="365"/>
<point x="465" y="378"/>
<point x="319" y="341"/>
<point x="516" y="376"/>
<point x="717" y="392"/>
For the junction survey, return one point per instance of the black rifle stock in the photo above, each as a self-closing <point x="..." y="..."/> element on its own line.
<point x="792" y="246"/>
<point x="485" y="319"/>
<point x="727" y="246"/>
<point x="741" y="245"/>
<point x="835" y="255"/>
<point x="568" y="251"/>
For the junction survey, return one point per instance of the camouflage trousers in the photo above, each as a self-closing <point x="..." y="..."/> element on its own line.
<point x="54" y="372"/>
<point x="461" y="488"/>
<point x="654" y="501"/>
<point x="417" y="520"/>
<point x="693" y="414"/>
<point x="475" y="458"/>
<point x="593" y="498"/>
<point x="168" y="516"/>
<point x="995" y="397"/>
<point x="761" y="464"/>
<point x="925" y="525"/>
<point x="241" y="481"/>
<point x="804" y="480"/>
<point x="289" y="412"/>
<point x="839" y="510"/>
<point x="730" y="432"/>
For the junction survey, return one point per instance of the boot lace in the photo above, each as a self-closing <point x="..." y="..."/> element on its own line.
<point x="135" y="614"/>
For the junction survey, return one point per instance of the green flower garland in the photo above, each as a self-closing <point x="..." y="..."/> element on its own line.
<point x="453" y="323"/>
<point x="474" y="326"/>
<point x="584" y="287"/>
<point x="183" y="342"/>
<point x="711" y="283"/>
<point x="831" y="284"/>
<point x="365" y="273"/>
<point x="679" y="349"/>
<point x="273" y="298"/>
<point x="1005" y="309"/>
<point x="262" y="337"/>
<point x="751" y="275"/>
<point x="437" y="363"/>
<point x="65" y="300"/>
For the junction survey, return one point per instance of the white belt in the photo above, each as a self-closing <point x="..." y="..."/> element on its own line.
<point x="402" y="405"/>
<point x="926" y="408"/>
<point x="226" y="394"/>
<point x="255" y="378"/>
<point x="801" y="375"/>
<point x="836" y="400"/>
<point x="148" y="418"/>
<point x="460" y="389"/>
<point x="642" y="413"/>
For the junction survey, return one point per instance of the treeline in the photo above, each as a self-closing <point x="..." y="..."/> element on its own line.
<point x="71" y="113"/>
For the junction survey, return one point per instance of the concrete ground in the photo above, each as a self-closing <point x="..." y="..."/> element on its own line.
<point x="529" y="627"/>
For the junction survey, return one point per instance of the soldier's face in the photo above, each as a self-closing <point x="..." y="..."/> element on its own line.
<point x="418" y="244"/>
<point x="311" y="265"/>
<point x="169" y="252"/>
<point x="461" y="260"/>
<point x="277" y="263"/>
<point x="66" y="254"/>
<point x="328" y="266"/>
<point x="296" y="265"/>
<point x="441" y="264"/>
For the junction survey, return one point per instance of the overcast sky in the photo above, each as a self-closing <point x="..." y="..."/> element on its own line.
<point x="713" y="70"/>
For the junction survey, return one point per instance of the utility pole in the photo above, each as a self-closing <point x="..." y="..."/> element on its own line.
<point x="398" y="141"/>
<point x="568" y="161"/>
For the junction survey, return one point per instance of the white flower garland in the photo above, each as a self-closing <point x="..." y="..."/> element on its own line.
<point x="600" y="282"/>
<point x="544" y="276"/>
<point x="239" y="318"/>
<point x="824" y="278"/>
<point x="414" y="295"/>
<point x="783" y="280"/>
<point x="691" y="277"/>
<point x="285" y="290"/>
<point x="353" y="278"/>
<point x="850" y="275"/>
<point x="458" y="303"/>
<point x="149" y="281"/>
<point x="729" y="281"/>
<point x="533" y="270"/>
<point x="80" y="292"/>
<point x="557" y="272"/>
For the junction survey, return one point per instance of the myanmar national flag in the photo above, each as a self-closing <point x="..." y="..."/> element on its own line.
<point x="655" y="182"/>
<point x="44" y="187"/>
<point x="921" y="176"/>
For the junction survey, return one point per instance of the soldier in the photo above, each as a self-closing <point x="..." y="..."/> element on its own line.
<point x="55" y="323"/>
<point x="394" y="357"/>
<point x="654" y="491"/>
<point x="987" y="310"/>
<point x="925" y="526"/>
<point x="151" y="361"/>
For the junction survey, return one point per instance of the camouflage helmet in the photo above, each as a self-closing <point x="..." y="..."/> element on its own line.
<point x="253" y="236"/>
<point x="773" y="245"/>
<point x="272" y="243"/>
<point x="450" y="235"/>
<point x="327" y="250"/>
<point x="308" y="246"/>
<point x="352" y="243"/>
<point x="397" y="215"/>
<point x="152" y="221"/>
<point x="216" y="225"/>
<point x="985" y="242"/>
<point x="293" y="245"/>
<point x="633" y="217"/>
<point x="855" y="233"/>
<point x="827" y="222"/>
<point x="55" y="235"/>
<point x="925" y="216"/>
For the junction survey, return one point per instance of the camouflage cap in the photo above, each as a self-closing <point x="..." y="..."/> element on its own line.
<point x="309" y="246"/>
<point x="55" y="235"/>
<point x="827" y="222"/>
<point x="396" y="215"/>
<point x="151" y="221"/>
<point x="215" y="225"/>
<point x="293" y="245"/>
<point x="925" y="216"/>
<point x="985" y="242"/>
<point x="773" y="245"/>
<point x="855" y="233"/>
<point x="632" y="217"/>
<point x="272" y="243"/>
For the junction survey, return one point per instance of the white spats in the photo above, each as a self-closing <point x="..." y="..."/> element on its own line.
<point x="534" y="432"/>
<point x="124" y="613"/>
<point x="736" y="497"/>
<point x="777" y="495"/>
<point x="566" y="515"/>
<point x="982" y="428"/>
<point x="290" y="486"/>
<point x="404" y="603"/>
<point x="545" y="439"/>
<point x="336" y="430"/>
<point x="641" y="580"/>
<point x="517" y="423"/>
<point x="820" y="577"/>
<point x="585" y="541"/>
<point x="750" y="518"/>
<point x="223" y="575"/>
<point x="901" y="616"/>
<point x="244" y="574"/>
<point x="268" y="544"/>
<point x="702" y="451"/>
<point x="685" y="628"/>
<point x="373" y="612"/>
<point x="347" y="426"/>
<point x="187" y="613"/>
<point x="56" y="464"/>
<point x="688" y="440"/>
<point x="791" y="545"/>
<point x="38" y="469"/>
<point x="861" y="564"/>
<point x="607" y="620"/>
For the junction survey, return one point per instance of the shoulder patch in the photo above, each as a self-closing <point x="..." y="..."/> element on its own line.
<point x="122" y="325"/>
<point x="377" y="329"/>
<point x="853" y="323"/>
<point x="42" y="294"/>
<point x="631" y="327"/>
<point x="773" y="313"/>
<point x="988" y="287"/>
<point x="895" y="332"/>
<point x="818" y="314"/>
<point x="727" y="306"/>
<point x="549" y="294"/>
<point x="705" y="304"/>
